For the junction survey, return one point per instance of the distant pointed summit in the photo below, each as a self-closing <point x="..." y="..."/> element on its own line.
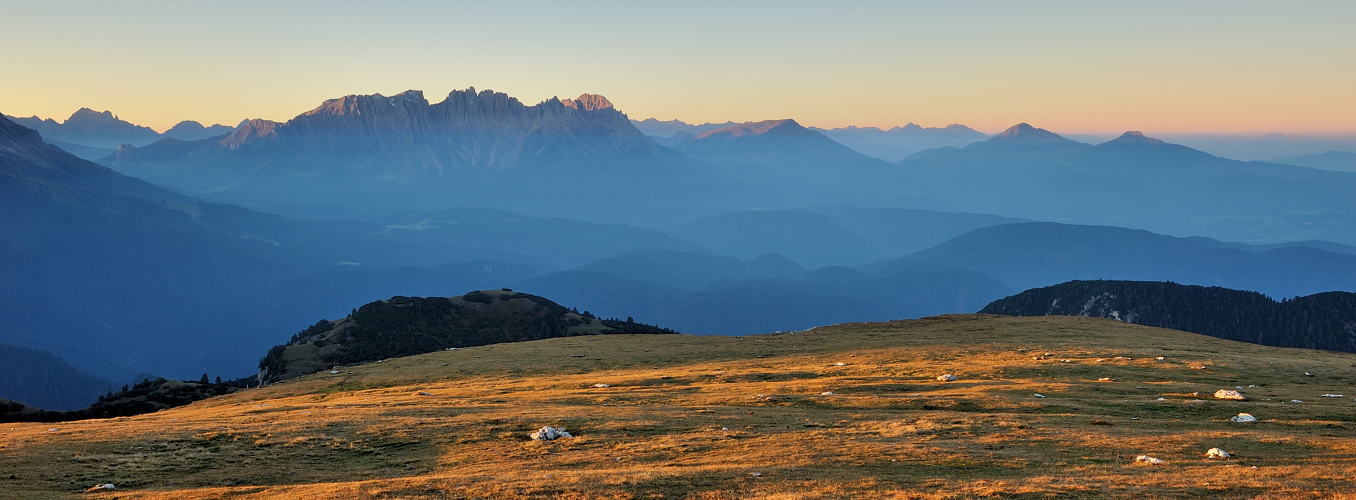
<point x="1138" y="144"/>
<point x="1025" y="135"/>
<point x="1025" y="132"/>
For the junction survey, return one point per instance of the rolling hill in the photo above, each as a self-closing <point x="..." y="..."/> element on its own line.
<point x="405" y="326"/>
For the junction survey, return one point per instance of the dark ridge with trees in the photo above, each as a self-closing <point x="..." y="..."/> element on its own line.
<point x="405" y="326"/>
<point x="147" y="396"/>
<point x="1320" y="321"/>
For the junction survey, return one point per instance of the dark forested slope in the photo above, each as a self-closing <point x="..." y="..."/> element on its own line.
<point x="1319" y="321"/>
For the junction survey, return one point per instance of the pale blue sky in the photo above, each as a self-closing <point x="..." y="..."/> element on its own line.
<point x="1072" y="66"/>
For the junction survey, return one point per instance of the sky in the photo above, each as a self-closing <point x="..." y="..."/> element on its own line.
<point x="1076" y="67"/>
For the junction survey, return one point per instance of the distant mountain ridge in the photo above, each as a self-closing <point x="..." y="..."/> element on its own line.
<point x="104" y="130"/>
<point x="1036" y="254"/>
<point x="478" y="147"/>
<point x="1136" y="181"/>
<point x="1319" y="321"/>
<point x="656" y="128"/>
<point x="781" y="146"/>
<point x="1341" y="161"/>
<point x="898" y="143"/>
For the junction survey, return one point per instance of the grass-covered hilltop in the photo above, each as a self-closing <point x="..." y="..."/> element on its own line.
<point x="404" y="326"/>
<point x="1040" y="406"/>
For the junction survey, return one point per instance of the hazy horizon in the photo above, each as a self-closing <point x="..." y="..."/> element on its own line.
<point x="1161" y="68"/>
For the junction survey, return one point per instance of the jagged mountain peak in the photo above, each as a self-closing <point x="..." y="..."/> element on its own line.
<point x="587" y="102"/>
<point x="249" y="131"/>
<point x="89" y="115"/>
<point x="374" y="103"/>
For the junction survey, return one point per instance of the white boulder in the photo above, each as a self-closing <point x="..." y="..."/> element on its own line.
<point x="549" y="433"/>
<point x="1216" y="453"/>
<point x="946" y="377"/>
<point x="1243" y="418"/>
<point x="1230" y="394"/>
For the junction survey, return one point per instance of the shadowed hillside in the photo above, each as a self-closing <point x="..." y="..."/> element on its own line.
<point x="1320" y="321"/>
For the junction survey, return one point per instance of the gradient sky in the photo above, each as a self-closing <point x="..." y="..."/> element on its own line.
<point x="1090" y="67"/>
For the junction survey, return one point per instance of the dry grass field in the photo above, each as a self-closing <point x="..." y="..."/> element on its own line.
<point x="851" y="410"/>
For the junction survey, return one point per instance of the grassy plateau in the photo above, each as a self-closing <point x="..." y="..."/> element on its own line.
<point x="846" y="411"/>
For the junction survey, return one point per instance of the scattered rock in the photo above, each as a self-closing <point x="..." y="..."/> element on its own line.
<point x="102" y="487"/>
<point x="1160" y="358"/>
<point x="756" y="474"/>
<point x="947" y="377"/>
<point x="601" y="386"/>
<point x="1100" y="422"/>
<point x="549" y="433"/>
<point x="1216" y="453"/>
<point x="1230" y="394"/>
<point x="1296" y="401"/>
<point x="1243" y="418"/>
<point x="425" y="394"/>
<point x="1148" y="460"/>
<point x="826" y="393"/>
<point x="840" y="363"/>
<point x="1331" y="396"/>
<point x="1105" y="379"/>
<point x="1038" y="395"/>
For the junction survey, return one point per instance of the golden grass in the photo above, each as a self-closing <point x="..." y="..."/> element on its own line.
<point x="697" y="417"/>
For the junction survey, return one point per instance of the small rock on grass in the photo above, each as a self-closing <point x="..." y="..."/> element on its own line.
<point x="1148" y="460"/>
<point x="1243" y="418"/>
<point x="549" y="433"/>
<point x="1216" y="453"/>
